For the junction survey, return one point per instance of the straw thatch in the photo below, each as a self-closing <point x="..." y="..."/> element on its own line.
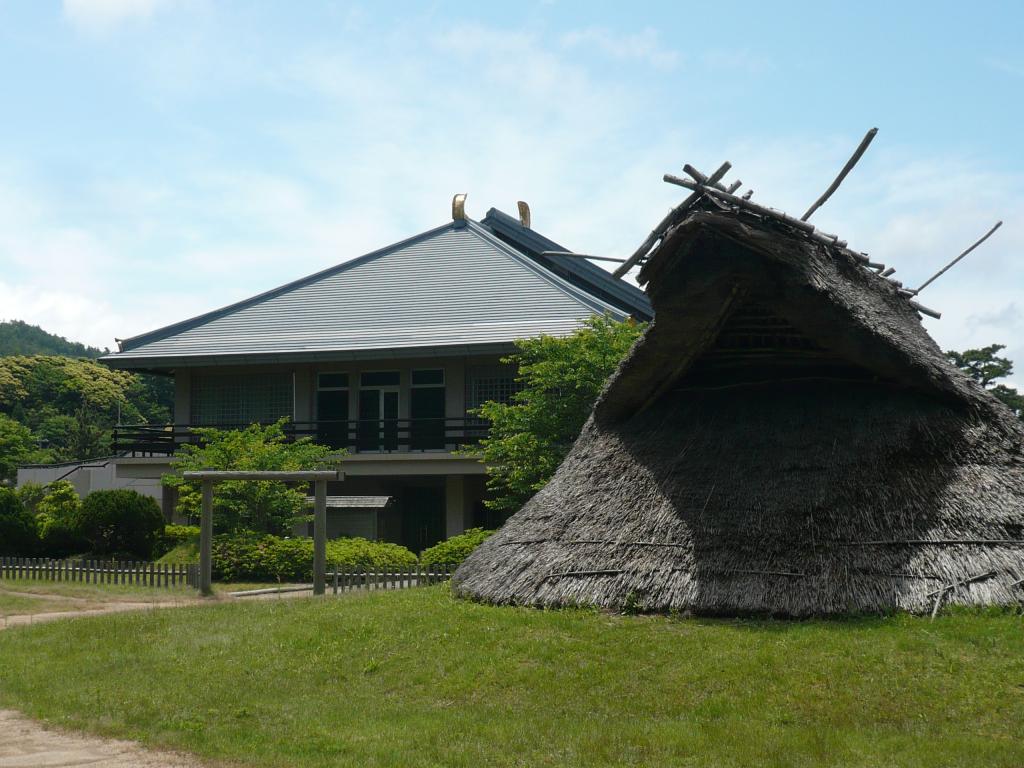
<point x="785" y="439"/>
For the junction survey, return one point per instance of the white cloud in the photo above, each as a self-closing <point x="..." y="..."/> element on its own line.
<point x="98" y="16"/>
<point x="640" y="46"/>
<point x="401" y="124"/>
<point x="1006" y="66"/>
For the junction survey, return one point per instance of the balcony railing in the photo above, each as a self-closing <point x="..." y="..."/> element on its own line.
<point x="359" y="436"/>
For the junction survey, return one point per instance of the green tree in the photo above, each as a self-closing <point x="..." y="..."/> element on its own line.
<point x="58" y="517"/>
<point x="263" y="506"/>
<point x="560" y="379"/>
<point x="17" y="526"/>
<point x="17" y="446"/>
<point x="71" y="405"/>
<point x="985" y="366"/>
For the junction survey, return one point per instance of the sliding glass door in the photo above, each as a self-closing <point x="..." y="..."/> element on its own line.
<point x="378" y="412"/>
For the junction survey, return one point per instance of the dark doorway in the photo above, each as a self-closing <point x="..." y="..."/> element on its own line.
<point x="378" y="419"/>
<point x="332" y="417"/>
<point x="426" y="409"/>
<point x="422" y="517"/>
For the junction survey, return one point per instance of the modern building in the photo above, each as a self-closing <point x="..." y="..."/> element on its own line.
<point x="384" y="355"/>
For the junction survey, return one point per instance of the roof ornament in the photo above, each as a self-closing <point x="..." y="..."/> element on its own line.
<point x="524" y="213"/>
<point x="459" y="207"/>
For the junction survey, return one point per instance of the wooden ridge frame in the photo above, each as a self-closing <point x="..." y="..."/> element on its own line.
<point x="319" y="478"/>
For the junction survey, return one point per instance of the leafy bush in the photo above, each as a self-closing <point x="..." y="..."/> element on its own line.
<point x="249" y="556"/>
<point x="271" y="507"/>
<point x="174" y="536"/>
<point x="17" y="526"/>
<point x="456" y="549"/>
<point x="559" y="380"/>
<point x="31" y="494"/>
<point x="121" y="522"/>
<point x="58" y="512"/>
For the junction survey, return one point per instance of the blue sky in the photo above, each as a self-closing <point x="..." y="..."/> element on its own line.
<point x="161" y="158"/>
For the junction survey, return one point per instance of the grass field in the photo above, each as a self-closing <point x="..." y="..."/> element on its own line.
<point x="97" y="592"/>
<point x="14" y="605"/>
<point x="415" y="678"/>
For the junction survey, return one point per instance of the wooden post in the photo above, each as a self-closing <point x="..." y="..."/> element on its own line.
<point x="319" y="536"/>
<point x="206" y="540"/>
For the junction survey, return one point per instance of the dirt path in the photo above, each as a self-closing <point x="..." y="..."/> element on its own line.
<point x="26" y="744"/>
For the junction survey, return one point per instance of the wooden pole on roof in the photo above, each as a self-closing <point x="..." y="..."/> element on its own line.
<point x="868" y="137"/>
<point x="659" y="230"/>
<point x="942" y="271"/>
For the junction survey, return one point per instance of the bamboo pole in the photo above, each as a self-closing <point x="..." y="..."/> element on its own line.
<point x="868" y="137"/>
<point x="942" y="271"/>
<point x="659" y="231"/>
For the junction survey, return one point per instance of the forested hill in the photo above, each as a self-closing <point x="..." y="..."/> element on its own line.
<point x="58" y="403"/>
<point x="19" y="338"/>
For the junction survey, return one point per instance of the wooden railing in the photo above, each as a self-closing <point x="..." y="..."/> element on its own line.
<point x="357" y="436"/>
<point x="91" y="571"/>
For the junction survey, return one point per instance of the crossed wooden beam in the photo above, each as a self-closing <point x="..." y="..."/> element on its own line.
<point x="319" y="478"/>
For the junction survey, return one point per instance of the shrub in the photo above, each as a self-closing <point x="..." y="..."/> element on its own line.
<point x="17" y="526"/>
<point x="31" y="494"/>
<point x="58" y="511"/>
<point x="456" y="549"/>
<point x="174" y="536"/>
<point x="121" y="522"/>
<point x="252" y="556"/>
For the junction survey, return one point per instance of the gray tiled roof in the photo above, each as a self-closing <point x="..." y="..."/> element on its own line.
<point x="455" y="289"/>
<point x="355" y="502"/>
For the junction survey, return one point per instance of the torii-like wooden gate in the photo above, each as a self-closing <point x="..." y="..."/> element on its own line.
<point x="319" y="478"/>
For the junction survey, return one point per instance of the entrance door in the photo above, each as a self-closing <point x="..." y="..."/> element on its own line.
<point x="378" y="419"/>
<point x="332" y="409"/>
<point x="422" y="517"/>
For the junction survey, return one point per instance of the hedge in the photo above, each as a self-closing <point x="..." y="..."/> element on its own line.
<point x="456" y="549"/>
<point x="263" y="557"/>
<point x="173" y="536"/>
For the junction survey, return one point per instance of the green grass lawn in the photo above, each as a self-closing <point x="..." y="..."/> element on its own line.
<point x="13" y="605"/>
<point x="415" y="678"/>
<point x="99" y="592"/>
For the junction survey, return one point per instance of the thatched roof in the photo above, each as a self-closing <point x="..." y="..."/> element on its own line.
<point x="786" y="438"/>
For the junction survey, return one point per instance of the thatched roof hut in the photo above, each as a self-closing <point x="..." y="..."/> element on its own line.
<point x="786" y="438"/>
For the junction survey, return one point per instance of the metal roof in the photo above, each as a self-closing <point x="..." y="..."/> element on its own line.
<point x="589" y="276"/>
<point x="456" y="289"/>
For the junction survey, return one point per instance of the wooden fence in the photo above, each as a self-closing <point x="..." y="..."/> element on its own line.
<point x="99" y="572"/>
<point x="352" y="578"/>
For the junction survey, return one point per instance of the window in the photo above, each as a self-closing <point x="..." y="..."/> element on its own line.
<point x="233" y="399"/>
<point x="485" y="383"/>
<point x="428" y="378"/>
<point x="379" y="379"/>
<point x="332" y="409"/>
<point x="332" y="381"/>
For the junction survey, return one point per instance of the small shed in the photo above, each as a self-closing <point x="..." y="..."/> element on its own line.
<point x="367" y="517"/>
